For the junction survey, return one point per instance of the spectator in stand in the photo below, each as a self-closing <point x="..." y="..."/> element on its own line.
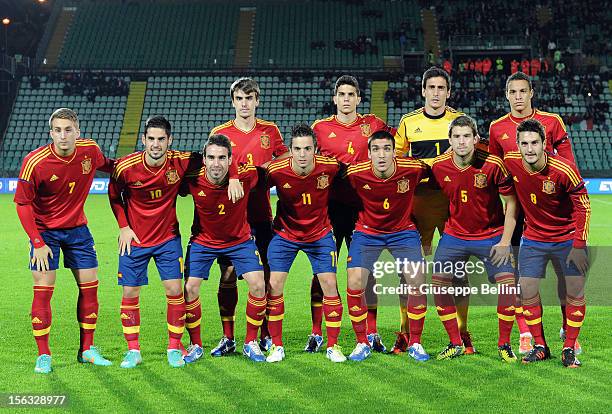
<point x="535" y="67"/>
<point x="486" y="66"/>
<point x="448" y="67"/>
<point x="525" y="65"/>
<point x="514" y="66"/>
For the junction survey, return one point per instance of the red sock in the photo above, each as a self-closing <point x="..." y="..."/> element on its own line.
<point x="417" y="308"/>
<point x="332" y="308"/>
<point x="520" y="321"/>
<point x="574" y="312"/>
<point x="255" y="314"/>
<point x="564" y="316"/>
<point x="227" y="297"/>
<point x="276" y="313"/>
<point x="176" y="320"/>
<point x="41" y="317"/>
<point x="87" y="312"/>
<point x="445" y="305"/>
<point x="532" y="311"/>
<point x="264" y="332"/>
<point x="355" y="301"/>
<point x="505" y="307"/>
<point x="130" y="319"/>
<point x="371" y="319"/>
<point x="316" y="307"/>
<point x="372" y="301"/>
<point x="193" y="320"/>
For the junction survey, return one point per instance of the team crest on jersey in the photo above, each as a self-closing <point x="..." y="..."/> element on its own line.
<point x="172" y="176"/>
<point x="366" y="131"/>
<point x="322" y="182"/>
<point x="86" y="165"/>
<point x="265" y="141"/>
<point x="548" y="187"/>
<point x="403" y="185"/>
<point x="480" y="180"/>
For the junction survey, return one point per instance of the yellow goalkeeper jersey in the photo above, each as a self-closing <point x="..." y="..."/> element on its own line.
<point x="423" y="136"/>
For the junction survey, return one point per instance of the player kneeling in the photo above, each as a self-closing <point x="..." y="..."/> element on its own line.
<point x="385" y="186"/>
<point x="473" y="180"/>
<point x="302" y="184"/>
<point x="220" y="230"/>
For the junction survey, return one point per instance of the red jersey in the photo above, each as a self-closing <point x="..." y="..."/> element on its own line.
<point x="218" y="222"/>
<point x="554" y="199"/>
<point x="476" y="210"/>
<point x="144" y="197"/>
<point x="502" y="134"/>
<point x="261" y="144"/>
<point x="56" y="187"/>
<point x="348" y="143"/>
<point x="386" y="203"/>
<point x="301" y="211"/>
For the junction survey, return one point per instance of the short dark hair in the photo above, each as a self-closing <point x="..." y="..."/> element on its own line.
<point x="518" y="76"/>
<point x="531" y="125"/>
<point x="158" y="121"/>
<point x="463" y="121"/>
<point x="221" y="141"/>
<point x="382" y="134"/>
<point x="302" y="130"/>
<point x="347" y="80"/>
<point x="436" y="72"/>
<point x="246" y="85"/>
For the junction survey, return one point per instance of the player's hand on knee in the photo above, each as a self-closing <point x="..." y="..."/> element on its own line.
<point x="234" y="190"/>
<point x="500" y="254"/>
<point x="126" y="235"/>
<point x="579" y="258"/>
<point x="41" y="258"/>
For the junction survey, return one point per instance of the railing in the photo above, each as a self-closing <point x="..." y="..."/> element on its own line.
<point x="46" y="38"/>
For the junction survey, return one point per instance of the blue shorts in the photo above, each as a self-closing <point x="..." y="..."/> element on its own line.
<point x="455" y="250"/>
<point x="366" y="248"/>
<point x="168" y="258"/>
<point x="534" y="256"/>
<point x="244" y="257"/>
<point x="263" y="233"/>
<point x="76" y="244"/>
<point x="321" y="253"/>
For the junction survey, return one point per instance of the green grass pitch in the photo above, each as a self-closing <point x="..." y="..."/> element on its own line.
<point x="303" y="382"/>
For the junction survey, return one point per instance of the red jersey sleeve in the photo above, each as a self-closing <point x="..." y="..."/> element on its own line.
<point x="279" y="145"/>
<point x="24" y="195"/>
<point x="103" y="163"/>
<point x="576" y="189"/>
<point x="116" y="185"/>
<point x="381" y="125"/>
<point x="502" y="179"/>
<point x="494" y="146"/>
<point x="25" y="212"/>
<point x="562" y="143"/>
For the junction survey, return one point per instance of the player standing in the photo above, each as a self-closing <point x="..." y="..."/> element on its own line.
<point x="254" y="142"/>
<point x="502" y="132"/>
<point x="423" y="134"/>
<point x="473" y="181"/>
<point x="220" y="230"/>
<point x="557" y="214"/>
<point x="344" y="137"/>
<point x="53" y="184"/>
<point x="386" y="186"/>
<point x="144" y="183"/>
<point x="303" y="185"/>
